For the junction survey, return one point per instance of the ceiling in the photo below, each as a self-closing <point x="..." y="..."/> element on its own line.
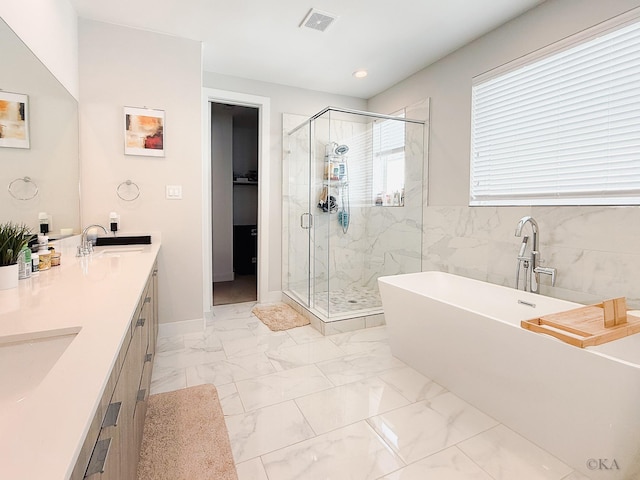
<point x="262" y="40"/>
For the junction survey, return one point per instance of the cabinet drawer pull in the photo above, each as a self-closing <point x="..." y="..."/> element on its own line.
<point x="141" y="322"/>
<point x="148" y="357"/>
<point x="111" y="417"/>
<point x="141" y="394"/>
<point x="98" y="457"/>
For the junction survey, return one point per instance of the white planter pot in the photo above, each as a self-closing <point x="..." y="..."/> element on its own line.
<point x="9" y="276"/>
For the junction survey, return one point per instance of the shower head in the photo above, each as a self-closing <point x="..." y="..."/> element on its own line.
<point x="341" y="149"/>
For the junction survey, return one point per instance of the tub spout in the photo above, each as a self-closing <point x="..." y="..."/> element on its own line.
<point x="534" y="226"/>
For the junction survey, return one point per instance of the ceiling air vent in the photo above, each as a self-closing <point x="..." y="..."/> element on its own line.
<point x="318" y="20"/>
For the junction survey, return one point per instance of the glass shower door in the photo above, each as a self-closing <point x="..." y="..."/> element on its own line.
<point x="299" y="221"/>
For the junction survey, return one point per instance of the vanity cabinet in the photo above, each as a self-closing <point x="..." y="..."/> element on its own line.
<point x="112" y="445"/>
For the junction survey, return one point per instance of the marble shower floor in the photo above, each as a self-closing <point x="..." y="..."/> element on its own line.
<point x="348" y="300"/>
<point x="302" y="406"/>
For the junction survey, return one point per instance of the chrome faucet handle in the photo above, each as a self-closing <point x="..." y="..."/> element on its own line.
<point x="547" y="271"/>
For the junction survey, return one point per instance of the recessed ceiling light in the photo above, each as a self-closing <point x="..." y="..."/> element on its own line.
<point x="361" y="73"/>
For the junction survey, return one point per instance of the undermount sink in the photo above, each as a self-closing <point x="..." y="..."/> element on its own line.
<point x="115" y="251"/>
<point x="26" y="362"/>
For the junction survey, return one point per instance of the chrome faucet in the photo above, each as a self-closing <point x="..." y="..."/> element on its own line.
<point x="86" y="246"/>
<point x="532" y="269"/>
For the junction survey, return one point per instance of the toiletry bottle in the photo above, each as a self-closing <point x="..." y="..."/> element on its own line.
<point x="35" y="263"/>
<point x="24" y="263"/>
<point x="55" y="258"/>
<point x="44" y="257"/>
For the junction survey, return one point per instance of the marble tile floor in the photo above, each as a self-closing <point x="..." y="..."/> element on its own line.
<point x="301" y="406"/>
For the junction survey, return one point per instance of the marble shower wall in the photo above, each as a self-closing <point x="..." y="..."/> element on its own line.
<point x="379" y="241"/>
<point x="339" y="257"/>
<point x="394" y="233"/>
<point x="594" y="249"/>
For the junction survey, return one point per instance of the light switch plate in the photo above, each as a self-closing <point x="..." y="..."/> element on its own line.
<point x="174" y="192"/>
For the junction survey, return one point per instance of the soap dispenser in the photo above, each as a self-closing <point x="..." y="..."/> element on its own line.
<point x="114" y="222"/>
<point x="43" y="219"/>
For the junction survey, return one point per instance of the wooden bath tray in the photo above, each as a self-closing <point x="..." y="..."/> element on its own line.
<point x="588" y="326"/>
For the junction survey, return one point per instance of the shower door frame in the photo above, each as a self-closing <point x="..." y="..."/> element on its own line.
<point x="310" y="300"/>
<point x="296" y="222"/>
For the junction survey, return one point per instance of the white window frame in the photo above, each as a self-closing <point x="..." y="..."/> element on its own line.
<point x="491" y="184"/>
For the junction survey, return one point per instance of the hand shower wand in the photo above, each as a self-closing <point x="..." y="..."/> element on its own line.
<point x="522" y="260"/>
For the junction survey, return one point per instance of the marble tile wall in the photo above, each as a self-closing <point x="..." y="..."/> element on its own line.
<point x="594" y="249"/>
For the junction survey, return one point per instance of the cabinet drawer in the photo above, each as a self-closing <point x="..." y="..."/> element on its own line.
<point x="105" y="461"/>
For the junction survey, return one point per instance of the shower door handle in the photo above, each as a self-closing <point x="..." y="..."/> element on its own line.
<point x="309" y="223"/>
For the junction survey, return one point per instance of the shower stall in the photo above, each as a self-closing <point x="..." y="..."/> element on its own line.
<point x="352" y="208"/>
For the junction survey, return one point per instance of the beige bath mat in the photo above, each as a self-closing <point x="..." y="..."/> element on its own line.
<point x="279" y="316"/>
<point x="185" y="437"/>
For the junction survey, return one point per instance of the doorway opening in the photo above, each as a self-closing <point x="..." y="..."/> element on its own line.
<point x="234" y="202"/>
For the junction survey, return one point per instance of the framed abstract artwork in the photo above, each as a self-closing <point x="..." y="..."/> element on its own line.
<point x="143" y="132"/>
<point x="14" y="120"/>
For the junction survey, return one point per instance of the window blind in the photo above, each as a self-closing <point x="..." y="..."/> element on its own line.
<point x="563" y="130"/>
<point x="388" y="160"/>
<point x="388" y="136"/>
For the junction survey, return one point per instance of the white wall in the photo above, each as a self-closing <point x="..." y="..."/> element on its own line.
<point x="50" y="29"/>
<point x="125" y="67"/>
<point x="448" y="84"/>
<point x="283" y="100"/>
<point x="164" y="72"/>
<point x="593" y="248"/>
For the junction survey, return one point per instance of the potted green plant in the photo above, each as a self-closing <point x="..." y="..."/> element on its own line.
<point x="13" y="237"/>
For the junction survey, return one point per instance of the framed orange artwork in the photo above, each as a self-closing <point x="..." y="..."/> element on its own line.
<point x="14" y="120"/>
<point x="143" y="132"/>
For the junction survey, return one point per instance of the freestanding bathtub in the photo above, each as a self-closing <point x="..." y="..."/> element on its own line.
<point x="581" y="405"/>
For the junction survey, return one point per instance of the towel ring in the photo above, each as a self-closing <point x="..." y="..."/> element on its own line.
<point x="26" y="181"/>
<point x="128" y="191"/>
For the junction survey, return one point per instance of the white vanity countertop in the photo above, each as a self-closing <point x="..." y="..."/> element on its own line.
<point x="41" y="434"/>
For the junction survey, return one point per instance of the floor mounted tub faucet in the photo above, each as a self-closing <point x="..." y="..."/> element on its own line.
<point x="532" y="269"/>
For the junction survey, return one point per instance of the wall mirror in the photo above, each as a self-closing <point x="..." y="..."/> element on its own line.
<point x="43" y="178"/>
